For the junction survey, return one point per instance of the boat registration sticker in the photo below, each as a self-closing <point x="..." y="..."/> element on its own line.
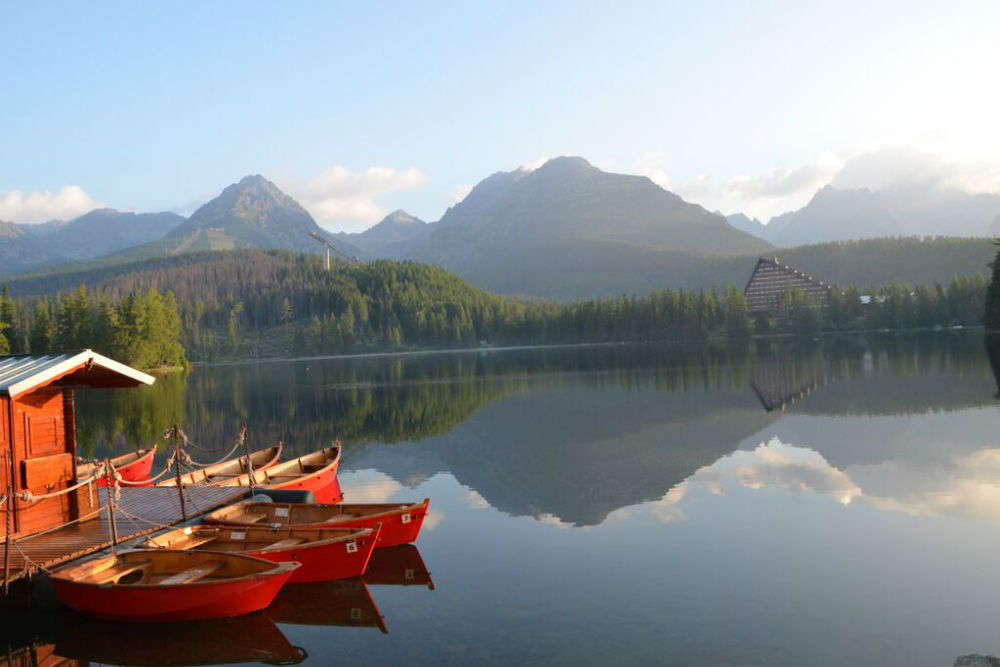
<point x="405" y="518"/>
<point x="352" y="546"/>
<point x="237" y="535"/>
<point x="281" y="511"/>
<point x="408" y="574"/>
<point x="355" y="613"/>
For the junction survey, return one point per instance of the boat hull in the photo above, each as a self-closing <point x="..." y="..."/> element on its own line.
<point x="169" y="585"/>
<point x="146" y="604"/>
<point x="327" y="562"/>
<point x="401" y="524"/>
<point x="136" y="471"/>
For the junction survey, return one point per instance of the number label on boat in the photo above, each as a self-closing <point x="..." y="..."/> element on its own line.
<point x="405" y="518"/>
<point x="408" y="574"/>
<point x="237" y="535"/>
<point x="281" y="511"/>
<point x="352" y="546"/>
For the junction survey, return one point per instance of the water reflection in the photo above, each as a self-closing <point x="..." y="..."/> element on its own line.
<point x="66" y="638"/>
<point x="345" y="602"/>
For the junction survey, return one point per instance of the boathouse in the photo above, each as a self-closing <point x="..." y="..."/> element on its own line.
<point x="771" y="279"/>
<point x="38" y="435"/>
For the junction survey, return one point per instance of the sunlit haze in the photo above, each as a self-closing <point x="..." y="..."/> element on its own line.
<point x="357" y="111"/>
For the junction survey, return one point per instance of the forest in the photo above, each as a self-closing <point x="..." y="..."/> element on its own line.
<point x="141" y="329"/>
<point x="263" y="303"/>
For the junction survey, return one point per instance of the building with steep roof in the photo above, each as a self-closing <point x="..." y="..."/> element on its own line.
<point x="770" y="281"/>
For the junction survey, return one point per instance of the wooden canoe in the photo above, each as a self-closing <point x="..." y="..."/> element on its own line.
<point x="324" y="553"/>
<point x="316" y="472"/>
<point x="217" y="473"/>
<point x="169" y="585"/>
<point x="346" y="602"/>
<point x="398" y="566"/>
<point x="133" y="466"/>
<point x="400" y="522"/>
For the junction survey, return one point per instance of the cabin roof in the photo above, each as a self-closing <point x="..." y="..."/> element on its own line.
<point x="22" y="373"/>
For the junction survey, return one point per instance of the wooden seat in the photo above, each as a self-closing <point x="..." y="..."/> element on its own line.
<point x="198" y="541"/>
<point x="253" y="518"/>
<point x="191" y="574"/>
<point x="289" y="542"/>
<point x="115" y="573"/>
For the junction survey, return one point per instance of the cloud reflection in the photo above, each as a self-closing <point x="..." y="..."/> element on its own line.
<point x="964" y="485"/>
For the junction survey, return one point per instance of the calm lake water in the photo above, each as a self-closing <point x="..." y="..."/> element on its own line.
<point x="829" y="502"/>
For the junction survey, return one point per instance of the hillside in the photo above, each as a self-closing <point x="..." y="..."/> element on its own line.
<point x="390" y="236"/>
<point x="104" y="231"/>
<point x="252" y="213"/>
<point x="523" y="231"/>
<point x="860" y="213"/>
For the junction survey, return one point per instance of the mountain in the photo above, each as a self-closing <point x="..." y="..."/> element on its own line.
<point x="252" y="213"/>
<point x="532" y="232"/>
<point x="20" y="250"/>
<point x="393" y="231"/>
<point x="835" y="214"/>
<point x="104" y="231"/>
<point x="744" y="223"/>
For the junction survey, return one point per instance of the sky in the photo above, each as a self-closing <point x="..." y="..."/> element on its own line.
<point x="358" y="110"/>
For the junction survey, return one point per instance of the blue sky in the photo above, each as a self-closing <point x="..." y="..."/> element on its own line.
<point x="356" y="111"/>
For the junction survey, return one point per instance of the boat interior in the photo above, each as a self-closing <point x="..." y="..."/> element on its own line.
<point x="288" y="513"/>
<point x="251" y="538"/>
<point x="163" y="568"/>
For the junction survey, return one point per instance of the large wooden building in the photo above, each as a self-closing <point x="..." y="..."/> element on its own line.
<point x="770" y="281"/>
<point x="38" y="435"/>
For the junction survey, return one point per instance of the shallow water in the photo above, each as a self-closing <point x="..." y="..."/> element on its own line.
<point x="798" y="503"/>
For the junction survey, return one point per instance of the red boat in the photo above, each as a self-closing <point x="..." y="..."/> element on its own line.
<point x="217" y="473"/>
<point x="398" y="566"/>
<point x="400" y="522"/>
<point x="316" y="472"/>
<point x="133" y="467"/>
<point x="171" y="585"/>
<point x="324" y="553"/>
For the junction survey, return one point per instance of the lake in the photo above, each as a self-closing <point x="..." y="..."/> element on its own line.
<point x="830" y="502"/>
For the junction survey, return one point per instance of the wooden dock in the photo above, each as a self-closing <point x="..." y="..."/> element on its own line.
<point x="142" y="510"/>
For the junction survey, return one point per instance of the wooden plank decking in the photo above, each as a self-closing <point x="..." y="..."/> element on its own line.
<point x="154" y="507"/>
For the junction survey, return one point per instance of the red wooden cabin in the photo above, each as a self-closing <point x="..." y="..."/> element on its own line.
<point x="38" y="433"/>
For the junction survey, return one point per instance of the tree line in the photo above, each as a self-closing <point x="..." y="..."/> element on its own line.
<point x="141" y="329"/>
<point x="259" y="303"/>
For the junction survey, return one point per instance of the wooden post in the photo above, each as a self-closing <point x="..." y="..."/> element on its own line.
<point x="8" y="510"/>
<point x="246" y="450"/>
<point x="177" y="463"/>
<point x="112" y="489"/>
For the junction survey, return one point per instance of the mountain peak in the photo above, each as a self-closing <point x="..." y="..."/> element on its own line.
<point x="567" y="164"/>
<point x="401" y="217"/>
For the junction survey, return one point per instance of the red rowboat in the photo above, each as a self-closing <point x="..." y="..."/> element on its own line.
<point x="398" y="566"/>
<point x="343" y="602"/>
<point x="133" y="467"/>
<point x="400" y="523"/>
<point x="217" y="473"/>
<point x="324" y="553"/>
<point x="316" y="472"/>
<point x="171" y="585"/>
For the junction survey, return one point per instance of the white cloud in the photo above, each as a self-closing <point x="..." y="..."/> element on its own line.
<point x="902" y="167"/>
<point x="460" y="192"/>
<point x="785" y="182"/>
<point x="69" y="202"/>
<point x="476" y="501"/>
<point x="339" y="195"/>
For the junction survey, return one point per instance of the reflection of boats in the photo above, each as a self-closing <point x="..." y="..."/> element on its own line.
<point x="324" y="553"/>
<point x="400" y="522"/>
<point x="133" y="467"/>
<point x="217" y="473"/>
<point x="342" y="602"/>
<point x="398" y="566"/>
<point x="251" y="638"/>
<point x="170" y="585"/>
<point x="316" y="472"/>
<point x="37" y="655"/>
